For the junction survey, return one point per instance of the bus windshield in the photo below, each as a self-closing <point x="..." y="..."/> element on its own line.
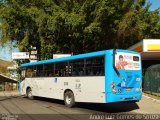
<point x="127" y="61"/>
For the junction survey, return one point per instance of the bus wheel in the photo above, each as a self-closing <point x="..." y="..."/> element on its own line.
<point x="29" y="94"/>
<point x="69" y="99"/>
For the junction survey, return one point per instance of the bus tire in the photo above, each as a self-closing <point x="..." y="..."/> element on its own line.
<point x="69" y="99"/>
<point x="29" y="94"/>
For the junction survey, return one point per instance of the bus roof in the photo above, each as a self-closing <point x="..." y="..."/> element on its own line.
<point x="86" y="55"/>
<point x="93" y="54"/>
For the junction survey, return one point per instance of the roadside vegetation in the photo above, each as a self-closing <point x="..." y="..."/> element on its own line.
<point x="152" y="96"/>
<point x="3" y="66"/>
<point x="77" y="26"/>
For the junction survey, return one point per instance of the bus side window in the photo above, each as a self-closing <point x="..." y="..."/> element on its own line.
<point x="94" y="66"/>
<point x="39" y="72"/>
<point x="81" y="73"/>
<point x="61" y="69"/>
<point x="34" y="71"/>
<point x="29" y="72"/>
<point x="56" y="73"/>
<point x="48" y="70"/>
<point x="77" y="67"/>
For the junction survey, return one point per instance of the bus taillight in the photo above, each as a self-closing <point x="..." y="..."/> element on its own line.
<point x="113" y="87"/>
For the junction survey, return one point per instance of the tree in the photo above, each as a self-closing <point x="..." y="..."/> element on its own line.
<point x="77" y="26"/>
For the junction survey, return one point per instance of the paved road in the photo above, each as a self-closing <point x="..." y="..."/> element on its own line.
<point x="48" y="109"/>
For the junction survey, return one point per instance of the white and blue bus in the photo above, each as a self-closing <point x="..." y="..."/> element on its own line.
<point x="97" y="77"/>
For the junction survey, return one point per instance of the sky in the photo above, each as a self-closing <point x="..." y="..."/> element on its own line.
<point x="6" y="52"/>
<point x="155" y="4"/>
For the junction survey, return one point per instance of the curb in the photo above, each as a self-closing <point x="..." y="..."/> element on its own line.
<point x="155" y="100"/>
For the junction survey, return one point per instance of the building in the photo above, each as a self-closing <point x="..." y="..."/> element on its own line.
<point x="150" y="51"/>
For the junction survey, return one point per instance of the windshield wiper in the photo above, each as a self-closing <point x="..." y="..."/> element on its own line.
<point x="114" y="67"/>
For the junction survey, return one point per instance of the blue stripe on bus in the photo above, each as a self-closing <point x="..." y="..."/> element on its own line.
<point x="80" y="56"/>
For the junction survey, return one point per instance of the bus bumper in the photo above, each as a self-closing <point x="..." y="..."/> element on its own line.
<point x="110" y="97"/>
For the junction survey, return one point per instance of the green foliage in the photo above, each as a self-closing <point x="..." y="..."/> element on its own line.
<point x="77" y="26"/>
<point x="4" y="65"/>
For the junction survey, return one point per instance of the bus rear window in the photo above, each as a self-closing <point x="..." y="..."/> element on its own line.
<point x="135" y="58"/>
<point x="127" y="61"/>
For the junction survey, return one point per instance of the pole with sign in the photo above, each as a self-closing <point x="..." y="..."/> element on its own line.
<point x="33" y="55"/>
<point x="20" y="55"/>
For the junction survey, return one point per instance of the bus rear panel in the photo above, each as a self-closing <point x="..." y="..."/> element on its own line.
<point x="123" y="76"/>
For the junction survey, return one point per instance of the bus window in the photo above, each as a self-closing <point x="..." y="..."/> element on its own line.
<point x="60" y="69"/>
<point x="94" y="66"/>
<point x="34" y="71"/>
<point x="127" y="61"/>
<point x="29" y="72"/>
<point x="48" y="70"/>
<point x="23" y="72"/>
<point x="77" y="67"/>
<point x="40" y="71"/>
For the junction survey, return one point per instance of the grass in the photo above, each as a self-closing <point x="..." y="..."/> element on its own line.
<point x="3" y="65"/>
<point x="152" y="96"/>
